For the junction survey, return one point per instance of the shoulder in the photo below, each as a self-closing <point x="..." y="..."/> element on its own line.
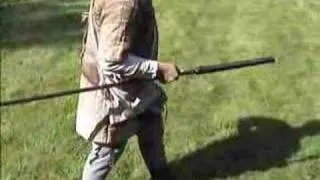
<point x="119" y="7"/>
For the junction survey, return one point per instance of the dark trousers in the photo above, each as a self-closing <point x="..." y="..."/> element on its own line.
<point x="149" y="128"/>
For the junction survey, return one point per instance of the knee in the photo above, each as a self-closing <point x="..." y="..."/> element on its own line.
<point x="99" y="163"/>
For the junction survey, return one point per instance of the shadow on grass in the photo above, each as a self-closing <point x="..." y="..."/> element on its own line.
<point x="261" y="143"/>
<point x="40" y="23"/>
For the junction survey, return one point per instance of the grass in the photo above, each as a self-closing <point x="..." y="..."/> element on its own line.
<point x="259" y="123"/>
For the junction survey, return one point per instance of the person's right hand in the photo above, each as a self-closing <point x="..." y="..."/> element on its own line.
<point x="167" y="72"/>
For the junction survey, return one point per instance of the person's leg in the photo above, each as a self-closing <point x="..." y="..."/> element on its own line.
<point x="151" y="145"/>
<point x="100" y="161"/>
<point x="102" y="157"/>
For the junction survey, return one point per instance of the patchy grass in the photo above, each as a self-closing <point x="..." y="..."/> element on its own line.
<point x="259" y="123"/>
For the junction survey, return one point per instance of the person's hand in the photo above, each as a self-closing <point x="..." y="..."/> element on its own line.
<point x="167" y="72"/>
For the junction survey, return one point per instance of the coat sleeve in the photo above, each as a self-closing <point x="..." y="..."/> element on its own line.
<point x="115" y="40"/>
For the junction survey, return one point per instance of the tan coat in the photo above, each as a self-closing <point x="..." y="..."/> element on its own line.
<point x="121" y="46"/>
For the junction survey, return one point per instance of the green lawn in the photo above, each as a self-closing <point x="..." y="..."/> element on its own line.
<point x="260" y="123"/>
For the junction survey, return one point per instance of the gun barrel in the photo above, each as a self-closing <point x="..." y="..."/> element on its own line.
<point x="228" y="66"/>
<point x="198" y="70"/>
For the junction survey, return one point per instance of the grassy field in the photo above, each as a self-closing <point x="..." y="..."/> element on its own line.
<point x="261" y="123"/>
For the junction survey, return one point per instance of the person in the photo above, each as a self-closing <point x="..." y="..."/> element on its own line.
<point x="120" y="48"/>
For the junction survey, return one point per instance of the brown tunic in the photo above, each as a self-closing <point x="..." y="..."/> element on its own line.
<point x="121" y="46"/>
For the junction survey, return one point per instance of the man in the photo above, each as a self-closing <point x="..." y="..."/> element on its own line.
<point x="121" y="48"/>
